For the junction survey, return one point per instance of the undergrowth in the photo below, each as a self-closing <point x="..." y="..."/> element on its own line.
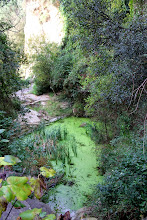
<point x="123" y="193"/>
<point x="53" y="107"/>
<point x="42" y="147"/>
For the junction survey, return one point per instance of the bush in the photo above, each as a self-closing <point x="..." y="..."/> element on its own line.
<point x="62" y="67"/>
<point x="97" y="133"/>
<point x="123" y="193"/>
<point x="72" y="83"/>
<point x="42" y="64"/>
<point x="11" y="129"/>
<point x="9" y="78"/>
<point x="68" y="68"/>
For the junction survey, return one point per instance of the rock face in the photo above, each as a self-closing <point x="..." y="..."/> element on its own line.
<point x="43" y="20"/>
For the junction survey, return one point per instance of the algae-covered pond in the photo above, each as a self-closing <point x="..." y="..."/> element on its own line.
<point x="82" y="171"/>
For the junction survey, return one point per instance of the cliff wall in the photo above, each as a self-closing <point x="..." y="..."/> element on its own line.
<point x="43" y="18"/>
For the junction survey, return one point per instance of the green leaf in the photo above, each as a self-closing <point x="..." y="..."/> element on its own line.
<point x="30" y="214"/>
<point x="35" y="184"/>
<point x="2" y="130"/>
<point x="18" y="204"/>
<point x="2" y="112"/>
<point x="11" y="159"/>
<point x="7" y="193"/>
<point x="19" y="187"/>
<point x="3" y="205"/>
<point x="1" y="193"/>
<point x="47" y="172"/>
<point x="42" y="214"/>
<point x="4" y="140"/>
<point x="50" y="217"/>
<point x="3" y="163"/>
<point x="4" y="183"/>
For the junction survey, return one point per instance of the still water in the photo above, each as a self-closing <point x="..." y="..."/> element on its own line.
<point x="82" y="171"/>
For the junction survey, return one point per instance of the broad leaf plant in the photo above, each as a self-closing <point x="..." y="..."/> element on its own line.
<point x="15" y="189"/>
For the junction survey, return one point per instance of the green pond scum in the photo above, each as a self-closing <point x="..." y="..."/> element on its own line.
<point x="82" y="169"/>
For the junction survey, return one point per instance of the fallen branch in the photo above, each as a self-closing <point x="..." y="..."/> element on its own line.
<point x="32" y="103"/>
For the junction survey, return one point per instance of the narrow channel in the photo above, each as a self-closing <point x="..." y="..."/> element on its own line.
<point x="82" y="172"/>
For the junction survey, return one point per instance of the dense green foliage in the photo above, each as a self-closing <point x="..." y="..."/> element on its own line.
<point x="11" y="129"/>
<point x="43" y="59"/>
<point x="9" y="78"/>
<point x="10" y="58"/>
<point x="123" y="194"/>
<point x="114" y="52"/>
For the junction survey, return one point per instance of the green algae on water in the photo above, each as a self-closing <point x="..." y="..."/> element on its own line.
<point x="83" y="170"/>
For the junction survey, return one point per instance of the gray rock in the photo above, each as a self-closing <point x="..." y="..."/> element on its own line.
<point x="55" y="119"/>
<point x="79" y="215"/>
<point x="15" y="212"/>
<point x="30" y="204"/>
<point x="34" y="203"/>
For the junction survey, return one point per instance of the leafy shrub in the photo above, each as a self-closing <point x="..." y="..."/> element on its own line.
<point x="78" y="109"/>
<point x="9" y="78"/>
<point x="123" y="193"/>
<point x="42" y="63"/>
<point x="72" y="85"/>
<point x="98" y="133"/>
<point x="3" y="142"/>
<point x="15" y="189"/>
<point x="10" y="129"/>
<point x="67" y="69"/>
<point x="115" y="76"/>
<point x="114" y="50"/>
<point x="62" y="67"/>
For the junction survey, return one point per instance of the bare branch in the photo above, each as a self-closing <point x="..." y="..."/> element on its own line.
<point x="140" y="89"/>
<point x="144" y="133"/>
<point x="132" y="92"/>
<point x="142" y="84"/>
